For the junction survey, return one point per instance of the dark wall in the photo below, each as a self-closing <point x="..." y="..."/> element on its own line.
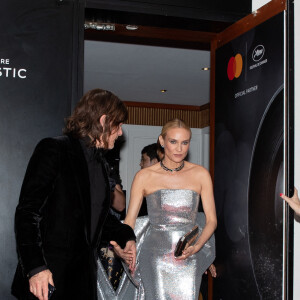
<point x="41" y="65"/>
<point x="249" y="163"/>
<point x="38" y="84"/>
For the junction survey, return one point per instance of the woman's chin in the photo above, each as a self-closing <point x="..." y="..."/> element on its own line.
<point x="178" y="158"/>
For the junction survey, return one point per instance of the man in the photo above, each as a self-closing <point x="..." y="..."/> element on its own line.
<point x="149" y="157"/>
<point x="63" y="211"/>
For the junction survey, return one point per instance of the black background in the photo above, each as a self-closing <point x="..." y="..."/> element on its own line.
<point x="40" y="36"/>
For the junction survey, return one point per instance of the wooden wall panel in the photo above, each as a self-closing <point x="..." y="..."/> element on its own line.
<point x="158" y="115"/>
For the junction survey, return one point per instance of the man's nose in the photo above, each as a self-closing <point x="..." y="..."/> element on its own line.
<point x="120" y="131"/>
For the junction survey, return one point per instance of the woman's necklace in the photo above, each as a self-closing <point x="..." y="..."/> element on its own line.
<point x="171" y="170"/>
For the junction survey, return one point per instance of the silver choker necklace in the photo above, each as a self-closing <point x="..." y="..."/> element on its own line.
<point x="172" y="170"/>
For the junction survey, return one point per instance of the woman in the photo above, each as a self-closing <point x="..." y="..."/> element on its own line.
<point x="293" y="202"/>
<point x="172" y="189"/>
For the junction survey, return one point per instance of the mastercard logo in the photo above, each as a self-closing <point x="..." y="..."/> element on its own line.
<point x="235" y="66"/>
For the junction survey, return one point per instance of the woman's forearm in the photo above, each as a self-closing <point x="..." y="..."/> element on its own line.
<point x="206" y="233"/>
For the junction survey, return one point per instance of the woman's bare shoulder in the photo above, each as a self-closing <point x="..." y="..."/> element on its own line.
<point x="147" y="172"/>
<point x="198" y="171"/>
<point x="196" y="168"/>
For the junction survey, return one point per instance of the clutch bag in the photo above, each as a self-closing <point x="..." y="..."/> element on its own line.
<point x="186" y="240"/>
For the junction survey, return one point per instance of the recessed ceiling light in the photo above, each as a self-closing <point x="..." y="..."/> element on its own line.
<point x="206" y="69"/>
<point x="163" y="91"/>
<point x="131" y="27"/>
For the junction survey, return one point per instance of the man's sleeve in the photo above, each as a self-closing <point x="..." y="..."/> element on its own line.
<point x="38" y="183"/>
<point x="114" y="230"/>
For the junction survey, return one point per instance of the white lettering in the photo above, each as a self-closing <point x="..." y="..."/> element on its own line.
<point x="19" y="73"/>
<point x="252" y="89"/>
<point x="258" y="64"/>
<point x="7" y="71"/>
<point x="246" y="91"/>
<point x="13" y="72"/>
<point x="4" y="61"/>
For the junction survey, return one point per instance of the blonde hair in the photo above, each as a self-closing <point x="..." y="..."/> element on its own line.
<point x="174" y="123"/>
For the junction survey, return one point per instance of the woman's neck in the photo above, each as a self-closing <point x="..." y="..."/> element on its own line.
<point x="169" y="165"/>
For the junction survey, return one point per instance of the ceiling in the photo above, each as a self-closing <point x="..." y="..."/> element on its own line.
<point x="194" y="10"/>
<point x="140" y="72"/>
<point x="168" y="51"/>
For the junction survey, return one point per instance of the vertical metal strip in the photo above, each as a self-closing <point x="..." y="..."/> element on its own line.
<point x="289" y="148"/>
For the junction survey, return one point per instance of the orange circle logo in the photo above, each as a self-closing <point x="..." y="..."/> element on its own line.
<point x="235" y="66"/>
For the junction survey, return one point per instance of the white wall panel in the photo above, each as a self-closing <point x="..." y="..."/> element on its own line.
<point x="297" y="150"/>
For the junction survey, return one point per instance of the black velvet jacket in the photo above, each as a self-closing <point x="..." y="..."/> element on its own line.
<point x="52" y="222"/>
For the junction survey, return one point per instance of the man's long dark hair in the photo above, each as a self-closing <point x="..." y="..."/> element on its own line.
<point x="85" y="119"/>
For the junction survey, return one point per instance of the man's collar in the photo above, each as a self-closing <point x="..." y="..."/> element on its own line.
<point x="92" y="152"/>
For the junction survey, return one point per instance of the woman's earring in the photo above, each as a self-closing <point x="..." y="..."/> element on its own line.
<point x="162" y="146"/>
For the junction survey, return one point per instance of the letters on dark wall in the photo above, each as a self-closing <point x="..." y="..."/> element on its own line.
<point x="39" y="64"/>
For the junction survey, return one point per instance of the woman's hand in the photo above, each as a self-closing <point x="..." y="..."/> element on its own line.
<point x="128" y="254"/>
<point x="187" y="252"/>
<point x="293" y="202"/>
<point x="213" y="271"/>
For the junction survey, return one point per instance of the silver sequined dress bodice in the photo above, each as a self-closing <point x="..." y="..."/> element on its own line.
<point x="172" y="209"/>
<point x="172" y="213"/>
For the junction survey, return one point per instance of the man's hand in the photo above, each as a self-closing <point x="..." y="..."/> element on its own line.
<point x="128" y="253"/>
<point x="38" y="284"/>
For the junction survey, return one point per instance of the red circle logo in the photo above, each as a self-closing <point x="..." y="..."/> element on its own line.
<point x="235" y="66"/>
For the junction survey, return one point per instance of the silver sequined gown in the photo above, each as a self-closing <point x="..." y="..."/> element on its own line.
<point x="159" y="276"/>
<point x="172" y="213"/>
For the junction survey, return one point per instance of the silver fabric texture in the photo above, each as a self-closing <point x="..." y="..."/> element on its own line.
<point x="127" y="290"/>
<point x="158" y="274"/>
